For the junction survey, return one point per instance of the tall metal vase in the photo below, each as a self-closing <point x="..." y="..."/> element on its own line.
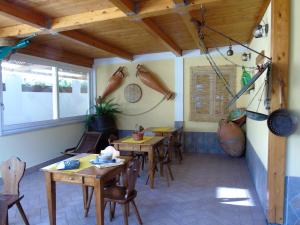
<point x="149" y="79"/>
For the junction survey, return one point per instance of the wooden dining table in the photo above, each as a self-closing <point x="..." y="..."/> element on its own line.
<point x="89" y="175"/>
<point x="149" y="145"/>
<point x="162" y="131"/>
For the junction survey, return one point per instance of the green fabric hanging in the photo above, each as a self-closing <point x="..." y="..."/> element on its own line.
<point x="246" y="77"/>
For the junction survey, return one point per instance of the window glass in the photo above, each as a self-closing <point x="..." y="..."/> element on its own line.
<point x="73" y="93"/>
<point x="27" y="94"/>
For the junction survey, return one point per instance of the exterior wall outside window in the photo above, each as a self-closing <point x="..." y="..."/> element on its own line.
<point x="29" y="99"/>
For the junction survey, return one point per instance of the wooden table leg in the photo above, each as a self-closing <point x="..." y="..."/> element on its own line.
<point x="3" y="212"/>
<point x="51" y="197"/>
<point x="151" y="167"/>
<point x="99" y="200"/>
<point x="85" y="192"/>
<point x="161" y="156"/>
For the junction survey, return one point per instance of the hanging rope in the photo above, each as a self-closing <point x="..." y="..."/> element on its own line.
<point x="262" y="85"/>
<point x="226" y="58"/>
<point x="149" y="110"/>
<point x="216" y="68"/>
<point x="261" y="97"/>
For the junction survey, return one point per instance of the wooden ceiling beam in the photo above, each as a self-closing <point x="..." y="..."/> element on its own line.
<point x="23" y="15"/>
<point x="187" y="19"/>
<point x="148" y="9"/>
<point x="89" y="41"/>
<point x="48" y="52"/>
<point x="157" y="32"/>
<point x="126" y="6"/>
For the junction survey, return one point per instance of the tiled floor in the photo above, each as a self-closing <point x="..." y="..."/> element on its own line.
<point x="208" y="190"/>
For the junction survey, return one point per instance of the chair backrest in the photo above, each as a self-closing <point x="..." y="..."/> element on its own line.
<point x="132" y="175"/>
<point x="88" y="142"/>
<point x="179" y="134"/>
<point x="111" y="139"/>
<point x="12" y="172"/>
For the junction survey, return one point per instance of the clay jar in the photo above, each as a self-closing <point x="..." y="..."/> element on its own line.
<point x="231" y="138"/>
<point x="114" y="82"/>
<point x="153" y="82"/>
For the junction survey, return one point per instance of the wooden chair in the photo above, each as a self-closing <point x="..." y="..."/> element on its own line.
<point x="87" y="144"/>
<point x="124" y="195"/>
<point x="89" y="191"/>
<point x="164" y="160"/>
<point x="177" y="145"/>
<point x="113" y="193"/>
<point x="12" y="172"/>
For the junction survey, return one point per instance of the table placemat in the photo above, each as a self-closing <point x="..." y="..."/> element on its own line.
<point x="130" y="140"/>
<point x="84" y="163"/>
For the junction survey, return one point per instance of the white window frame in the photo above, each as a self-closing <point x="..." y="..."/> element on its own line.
<point x="30" y="126"/>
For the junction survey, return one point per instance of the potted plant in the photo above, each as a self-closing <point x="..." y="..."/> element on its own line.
<point x="104" y="115"/>
<point x="65" y="86"/>
<point x="138" y="133"/>
<point x="103" y="120"/>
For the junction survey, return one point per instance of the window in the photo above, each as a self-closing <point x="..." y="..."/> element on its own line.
<point x="73" y="93"/>
<point x="209" y="97"/>
<point x="28" y="95"/>
<point x="37" y="93"/>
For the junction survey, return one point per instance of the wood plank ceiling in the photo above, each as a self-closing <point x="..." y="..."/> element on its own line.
<point x="105" y="28"/>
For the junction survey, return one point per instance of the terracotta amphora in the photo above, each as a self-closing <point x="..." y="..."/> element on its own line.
<point x="231" y="138"/>
<point x="153" y="82"/>
<point x="114" y="82"/>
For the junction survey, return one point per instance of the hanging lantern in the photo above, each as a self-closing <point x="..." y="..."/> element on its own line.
<point x="230" y="51"/>
<point x="246" y="56"/>
<point x="261" y="31"/>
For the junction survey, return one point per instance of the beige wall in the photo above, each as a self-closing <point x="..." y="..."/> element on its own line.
<point x="201" y="61"/>
<point x="163" y="115"/>
<point x="40" y="146"/>
<point x="257" y="131"/>
<point x="293" y="145"/>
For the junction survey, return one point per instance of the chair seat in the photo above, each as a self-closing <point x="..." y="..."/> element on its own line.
<point x="117" y="193"/>
<point x="10" y="199"/>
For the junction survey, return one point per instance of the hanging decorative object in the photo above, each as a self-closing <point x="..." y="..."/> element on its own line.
<point x="246" y="56"/>
<point x="8" y="49"/>
<point x="200" y="26"/>
<point x="230" y="51"/>
<point x="282" y="122"/>
<point x="261" y="70"/>
<point x="261" y="30"/>
<point x="132" y="93"/>
<point x="150" y="80"/>
<point x="246" y="78"/>
<point x="114" y="82"/>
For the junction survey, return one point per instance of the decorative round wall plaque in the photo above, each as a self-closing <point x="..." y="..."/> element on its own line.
<point x="132" y="93"/>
